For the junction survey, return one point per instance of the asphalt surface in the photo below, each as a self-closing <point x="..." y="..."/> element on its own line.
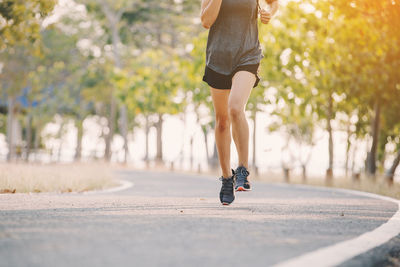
<point x="170" y="219"/>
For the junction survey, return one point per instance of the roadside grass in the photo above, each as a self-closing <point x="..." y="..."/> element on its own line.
<point x="378" y="185"/>
<point x="61" y="178"/>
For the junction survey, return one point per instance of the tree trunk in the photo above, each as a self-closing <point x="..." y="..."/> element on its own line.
<point x="304" y="163"/>
<point x="78" y="148"/>
<point x="10" y="129"/>
<point x="392" y="170"/>
<point x="214" y="159"/>
<point x="191" y="153"/>
<point x="113" y="21"/>
<point x="147" y="131"/>
<point x="353" y="157"/>
<point x="329" y="172"/>
<point x="60" y="137"/>
<point x="159" y="155"/>
<point x="371" y="158"/>
<point x="111" y="129"/>
<point x="254" y="140"/>
<point x="348" y="146"/>
<point x="28" y="135"/>
<point x="124" y="131"/>
<point x="181" y="153"/>
<point x="116" y="41"/>
<point x="205" y="133"/>
<point x="286" y="174"/>
<point x="36" y="142"/>
<point x="304" y="172"/>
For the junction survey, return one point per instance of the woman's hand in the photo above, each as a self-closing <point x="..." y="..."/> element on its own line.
<point x="265" y="16"/>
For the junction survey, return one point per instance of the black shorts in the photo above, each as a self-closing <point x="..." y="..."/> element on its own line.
<point x="221" y="81"/>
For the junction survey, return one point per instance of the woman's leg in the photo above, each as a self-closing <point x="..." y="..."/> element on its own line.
<point x="222" y="129"/>
<point x="242" y="83"/>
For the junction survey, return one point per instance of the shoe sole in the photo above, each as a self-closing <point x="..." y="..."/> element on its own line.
<point x="227" y="203"/>
<point x="242" y="189"/>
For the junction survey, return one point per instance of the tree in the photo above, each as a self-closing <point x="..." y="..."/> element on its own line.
<point x="197" y="92"/>
<point x="112" y="12"/>
<point x="320" y="49"/>
<point x="22" y="21"/>
<point x="380" y="58"/>
<point x="20" y="38"/>
<point x="153" y="90"/>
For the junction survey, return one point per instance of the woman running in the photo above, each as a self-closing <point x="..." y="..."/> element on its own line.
<point x="232" y="59"/>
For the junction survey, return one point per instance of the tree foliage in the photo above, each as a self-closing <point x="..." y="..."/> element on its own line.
<point x="20" y="21"/>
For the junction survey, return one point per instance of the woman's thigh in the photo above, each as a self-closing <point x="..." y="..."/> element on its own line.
<point x="242" y="83"/>
<point x="220" y="101"/>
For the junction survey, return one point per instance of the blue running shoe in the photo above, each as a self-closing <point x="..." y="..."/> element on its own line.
<point x="227" y="193"/>
<point x="242" y="184"/>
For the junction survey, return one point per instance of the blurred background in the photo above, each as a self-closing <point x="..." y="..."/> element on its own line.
<point x="120" y="81"/>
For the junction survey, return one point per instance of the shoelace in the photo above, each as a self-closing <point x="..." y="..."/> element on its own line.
<point x="227" y="185"/>
<point x="242" y="174"/>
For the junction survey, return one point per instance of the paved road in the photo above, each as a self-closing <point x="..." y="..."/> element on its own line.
<point x="176" y="220"/>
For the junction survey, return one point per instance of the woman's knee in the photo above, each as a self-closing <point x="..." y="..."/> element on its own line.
<point x="222" y="122"/>
<point x="235" y="111"/>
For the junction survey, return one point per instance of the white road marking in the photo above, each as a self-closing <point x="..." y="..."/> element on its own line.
<point x="124" y="184"/>
<point x="343" y="251"/>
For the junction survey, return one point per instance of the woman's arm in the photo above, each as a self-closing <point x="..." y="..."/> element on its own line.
<point x="274" y="7"/>
<point x="209" y="12"/>
<point x="267" y="15"/>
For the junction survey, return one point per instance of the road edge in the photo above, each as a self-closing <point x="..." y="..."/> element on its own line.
<point x="124" y="185"/>
<point x="343" y="251"/>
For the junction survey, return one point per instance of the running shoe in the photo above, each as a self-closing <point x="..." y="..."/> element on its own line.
<point x="227" y="193"/>
<point x="242" y="184"/>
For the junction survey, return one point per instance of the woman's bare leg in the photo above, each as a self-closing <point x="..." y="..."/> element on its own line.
<point x="242" y="83"/>
<point x="222" y="129"/>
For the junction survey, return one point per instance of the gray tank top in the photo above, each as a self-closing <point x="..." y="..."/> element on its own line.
<point x="233" y="38"/>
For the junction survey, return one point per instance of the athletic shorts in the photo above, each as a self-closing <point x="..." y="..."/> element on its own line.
<point x="221" y="81"/>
